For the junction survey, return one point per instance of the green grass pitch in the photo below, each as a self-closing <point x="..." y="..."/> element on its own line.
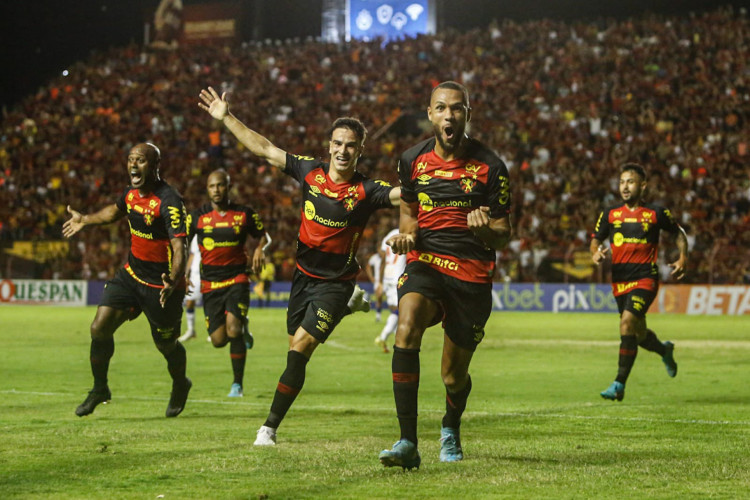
<point x="535" y="426"/>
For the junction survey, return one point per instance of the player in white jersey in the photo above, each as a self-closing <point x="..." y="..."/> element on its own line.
<point x="194" y="297"/>
<point x="391" y="270"/>
<point x="373" y="273"/>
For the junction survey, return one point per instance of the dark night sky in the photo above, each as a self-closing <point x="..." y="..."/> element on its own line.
<point x="39" y="38"/>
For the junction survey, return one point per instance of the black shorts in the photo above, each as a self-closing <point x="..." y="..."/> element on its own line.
<point x="466" y="306"/>
<point x="233" y="299"/>
<point x="317" y="305"/>
<point x="637" y="301"/>
<point x="124" y="293"/>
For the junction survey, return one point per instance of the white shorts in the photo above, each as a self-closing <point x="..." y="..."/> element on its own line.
<point x="390" y="290"/>
<point x="195" y="285"/>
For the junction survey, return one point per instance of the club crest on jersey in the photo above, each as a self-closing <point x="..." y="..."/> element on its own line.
<point x="645" y="226"/>
<point x="148" y="219"/>
<point x="351" y="198"/>
<point x="467" y="185"/>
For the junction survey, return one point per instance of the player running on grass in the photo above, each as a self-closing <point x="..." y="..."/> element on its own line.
<point x="221" y="229"/>
<point x="633" y="229"/>
<point x="152" y="280"/>
<point x="337" y="203"/>
<point x="455" y="204"/>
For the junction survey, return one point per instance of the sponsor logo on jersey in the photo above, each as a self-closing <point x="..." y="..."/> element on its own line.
<point x="130" y="196"/>
<point x="472" y="169"/>
<point x="421" y="166"/>
<point x="152" y="203"/>
<point x="175" y="215"/>
<point x="315" y="191"/>
<point x="330" y="193"/>
<point x="239" y="218"/>
<point x="207" y="219"/>
<point x="443" y="173"/>
<point x="140" y="234"/>
<point x="624" y="287"/>
<point x="423" y="179"/>
<point x="383" y="183"/>
<point x="617" y="224"/>
<point x="504" y="190"/>
<point x="222" y="284"/>
<point x="309" y="210"/>
<point x="323" y="314"/>
<point x="425" y="202"/>
<point x="617" y="213"/>
<point x="438" y="261"/>
<point x="618" y="240"/>
<point x="320" y="179"/>
<point x="209" y="244"/>
<point x="258" y="222"/>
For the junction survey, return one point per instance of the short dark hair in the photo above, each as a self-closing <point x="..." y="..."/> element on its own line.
<point x="634" y="167"/>
<point x="450" y="84"/>
<point x="352" y="124"/>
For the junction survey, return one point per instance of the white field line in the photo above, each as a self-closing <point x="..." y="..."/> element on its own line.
<point x="389" y="410"/>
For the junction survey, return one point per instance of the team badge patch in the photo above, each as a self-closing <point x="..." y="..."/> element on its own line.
<point x="467" y="185"/>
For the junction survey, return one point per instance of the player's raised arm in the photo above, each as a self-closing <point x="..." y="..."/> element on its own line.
<point x="78" y="220"/>
<point x="218" y="107"/>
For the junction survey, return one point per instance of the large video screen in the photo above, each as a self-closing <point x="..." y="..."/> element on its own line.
<point x="388" y="19"/>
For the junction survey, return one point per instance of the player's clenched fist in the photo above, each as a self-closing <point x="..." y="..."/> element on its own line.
<point x="402" y="243"/>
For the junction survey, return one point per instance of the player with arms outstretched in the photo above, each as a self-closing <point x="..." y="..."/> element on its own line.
<point x="152" y="281"/>
<point x="337" y="202"/>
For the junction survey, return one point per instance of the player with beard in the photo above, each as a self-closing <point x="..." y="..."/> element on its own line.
<point x="633" y="229"/>
<point x="455" y="204"/>
<point x="221" y="229"/>
<point x="152" y="281"/>
<point x="337" y="202"/>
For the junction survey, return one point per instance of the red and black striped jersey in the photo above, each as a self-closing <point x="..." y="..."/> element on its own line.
<point x="221" y="241"/>
<point x="446" y="192"/>
<point x="634" y="239"/>
<point x="333" y="217"/>
<point x="154" y="219"/>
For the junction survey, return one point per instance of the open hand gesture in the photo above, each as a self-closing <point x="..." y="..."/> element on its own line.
<point x="74" y="224"/>
<point x="217" y="107"/>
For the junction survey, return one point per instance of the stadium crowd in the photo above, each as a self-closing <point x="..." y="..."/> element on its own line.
<point x="564" y="104"/>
